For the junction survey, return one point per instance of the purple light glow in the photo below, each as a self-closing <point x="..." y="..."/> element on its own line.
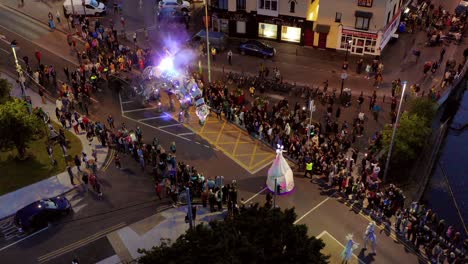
<point x="166" y="65"/>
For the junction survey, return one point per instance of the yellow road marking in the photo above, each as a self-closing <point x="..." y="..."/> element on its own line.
<point x="253" y="155"/>
<point x="236" y="143"/>
<point x="109" y="161"/>
<point x="220" y="133"/>
<point x="263" y="161"/>
<point x="79" y="243"/>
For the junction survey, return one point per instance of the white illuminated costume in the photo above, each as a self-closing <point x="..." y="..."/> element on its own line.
<point x="347" y="253"/>
<point x="280" y="171"/>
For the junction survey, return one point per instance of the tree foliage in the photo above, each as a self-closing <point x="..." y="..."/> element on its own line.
<point x="410" y="137"/>
<point x="17" y="126"/>
<point x="257" y="235"/>
<point x="424" y="108"/>
<point x="5" y="88"/>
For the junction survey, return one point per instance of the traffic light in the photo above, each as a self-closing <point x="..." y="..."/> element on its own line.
<point x="278" y="189"/>
<point x="311" y="131"/>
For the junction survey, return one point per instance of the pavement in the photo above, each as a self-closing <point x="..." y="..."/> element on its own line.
<point x="55" y="185"/>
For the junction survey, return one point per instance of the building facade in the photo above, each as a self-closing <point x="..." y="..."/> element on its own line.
<point x="361" y="26"/>
<point x="364" y="27"/>
<point x="281" y="20"/>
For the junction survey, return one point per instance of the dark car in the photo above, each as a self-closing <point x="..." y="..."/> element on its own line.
<point x="171" y="15"/>
<point x="38" y="214"/>
<point x="257" y="48"/>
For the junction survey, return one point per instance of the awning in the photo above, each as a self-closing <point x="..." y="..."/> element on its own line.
<point x="363" y="14"/>
<point x="322" y="28"/>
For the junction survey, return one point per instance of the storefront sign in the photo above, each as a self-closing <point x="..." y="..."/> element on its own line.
<point x="389" y="30"/>
<point x="359" y="34"/>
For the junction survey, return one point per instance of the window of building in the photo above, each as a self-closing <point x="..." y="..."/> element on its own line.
<point x="388" y="17"/>
<point x="362" y="23"/>
<point x="292" y="7"/>
<point x="268" y="4"/>
<point x="267" y="30"/>
<point x="338" y="17"/>
<point x="366" y="3"/>
<point x="291" y="34"/>
<point x="240" y="4"/>
<point x="240" y="27"/>
<point x="394" y="9"/>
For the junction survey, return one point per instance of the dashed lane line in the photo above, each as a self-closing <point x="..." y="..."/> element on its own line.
<point x="255" y="195"/>
<point x="151" y="118"/>
<point x="137" y="110"/>
<point x="311" y="210"/>
<point x="186" y="134"/>
<point x="157" y="128"/>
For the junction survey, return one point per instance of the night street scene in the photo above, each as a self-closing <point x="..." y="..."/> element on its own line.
<point x="233" y="131"/>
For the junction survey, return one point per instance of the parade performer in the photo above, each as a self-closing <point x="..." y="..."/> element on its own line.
<point x="347" y="253"/>
<point x="369" y="235"/>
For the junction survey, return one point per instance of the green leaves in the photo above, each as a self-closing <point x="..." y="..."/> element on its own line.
<point x="5" y="89"/>
<point x="17" y="126"/>
<point x="258" y="235"/>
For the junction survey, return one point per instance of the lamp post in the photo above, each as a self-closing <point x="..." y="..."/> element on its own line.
<point x="84" y="7"/>
<point x="208" y="52"/>
<point x="18" y="66"/>
<point x="348" y="44"/>
<point x="312" y="110"/>
<point x="389" y="154"/>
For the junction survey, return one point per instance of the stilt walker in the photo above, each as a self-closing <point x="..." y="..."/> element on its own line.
<point x="347" y="253"/>
<point x="369" y="236"/>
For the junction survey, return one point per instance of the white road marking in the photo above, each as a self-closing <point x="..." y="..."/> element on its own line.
<point x="157" y="128"/>
<point x="24" y="238"/>
<point x="170" y="125"/>
<point x="311" y="210"/>
<point x="139" y="109"/>
<point x="196" y="142"/>
<point x="186" y="134"/>
<point x="6" y="51"/>
<point x="127" y="102"/>
<point x="324" y="232"/>
<point x="77" y="208"/>
<point x="262" y="167"/>
<point x="207" y="146"/>
<point x="120" y="102"/>
<point x="255" y="195"/>
<point x="150" y="118"/>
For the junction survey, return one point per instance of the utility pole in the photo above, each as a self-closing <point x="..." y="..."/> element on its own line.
<point x="387" y="163"/>
<point x="208" y="51"/>
<point x="311" y="109"/>
<point x="274" y="192"/>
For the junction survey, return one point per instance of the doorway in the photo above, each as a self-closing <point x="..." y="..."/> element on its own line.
<point x="308" y="37"/>
<point x="322" y="41"/>
<point x="357" y="46"/>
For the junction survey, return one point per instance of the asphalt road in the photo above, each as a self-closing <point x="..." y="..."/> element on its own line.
<point x="129" y="193"/>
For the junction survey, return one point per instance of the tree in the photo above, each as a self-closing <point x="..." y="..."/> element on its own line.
<point x="17" y="126"/>
<point x="424" y="108"/>
<point x="257" y="235"/>
<point x="410" y="137"/>
<point x="5" y="88"/>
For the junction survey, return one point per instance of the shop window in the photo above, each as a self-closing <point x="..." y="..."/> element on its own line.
<point x="292" y="7"/>
<point x="365" y="3"/>
<point x="240" y="27"/>
<point x="345" y="39"/>
<point x="338" y="17"/>
<point x="267" y="30"/>
<point x="240" y="4"/>
<point x="292" y="34"/>
<point x="362" y="23"/>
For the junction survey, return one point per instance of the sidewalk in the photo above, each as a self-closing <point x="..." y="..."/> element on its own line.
<point x="55" y="185"/>
<point x="165" y="226"/>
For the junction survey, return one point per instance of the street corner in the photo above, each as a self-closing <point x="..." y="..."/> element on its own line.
<point x="334" y="248"/>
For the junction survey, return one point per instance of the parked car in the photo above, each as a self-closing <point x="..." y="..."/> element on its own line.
<point x="180" y="5"/>
<point x="257" y="48"/>
<point x="38" y="214"/>
<point x="218" y="40"/>
<point x="170" y="15"/>
<point x="90" y="8"/>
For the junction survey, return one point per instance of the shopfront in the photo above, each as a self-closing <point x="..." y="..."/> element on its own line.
<point x="266" y="30"/>
<point x="359" y="42"/>
<point x="283" y="28"/>
<point x="291" y="34"/>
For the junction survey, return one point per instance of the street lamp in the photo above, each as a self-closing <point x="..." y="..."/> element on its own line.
<point x="18" y="66"/>
<point x="387" y="163"/>
<point x="348" y="44"/>
<point x="208" y="52"/>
